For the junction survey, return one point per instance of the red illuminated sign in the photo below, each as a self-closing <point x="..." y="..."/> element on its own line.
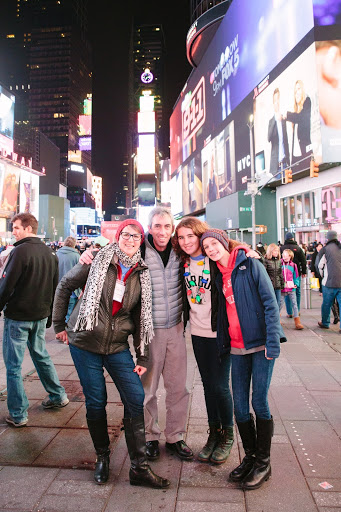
<point x="193" y="117"/>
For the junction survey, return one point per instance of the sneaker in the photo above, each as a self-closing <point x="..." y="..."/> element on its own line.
<point x="48" y="404"/>
<point x="17" y="424"/>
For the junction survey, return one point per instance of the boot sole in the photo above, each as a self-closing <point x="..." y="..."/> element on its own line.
<point x="218" y="462"/>
<point x="256" y="486"/>
<point x="203" y="460"/>
<point x="143" y="484"/>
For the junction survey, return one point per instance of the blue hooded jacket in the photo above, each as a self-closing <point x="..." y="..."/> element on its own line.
<point x="256" y="305"/>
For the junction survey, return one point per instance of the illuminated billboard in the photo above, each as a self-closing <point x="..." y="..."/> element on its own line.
<point x="146" y="122"/>
<point x="7" y="101"/>
<point x="85" y="123"/>
<point x="146" y="154"/>
<point x="29" y="193"/>
<point x="84" y="143"/>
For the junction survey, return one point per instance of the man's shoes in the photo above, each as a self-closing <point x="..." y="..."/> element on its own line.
<point x="336" y="320"/>
<point x="320" y="324"/>
<point x="180" y="449"/>
<point x="289" y="316"/>
<point x="16" y="424"/>
<point x="48" y="404"/>
<point x="152" y="450"/>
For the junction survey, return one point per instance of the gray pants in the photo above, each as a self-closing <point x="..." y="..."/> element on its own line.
<point x="167" y="357"/>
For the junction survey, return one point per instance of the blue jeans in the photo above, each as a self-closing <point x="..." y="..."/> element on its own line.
<point x="329" y="295"/>
<point x="120" y="366"/>
<point x="244" y="368"/>
<point x="72" y="303"/>
<point x="17" y="335"/>
<point x="298" y="299"/>
<point x="215" y="376"/>
<point x="291" y="298"/>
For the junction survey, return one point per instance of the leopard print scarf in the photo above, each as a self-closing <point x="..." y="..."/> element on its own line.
<point x="88" y="312"/>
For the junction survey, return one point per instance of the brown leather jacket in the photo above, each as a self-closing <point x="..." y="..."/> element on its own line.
<point x="111" y="333"/>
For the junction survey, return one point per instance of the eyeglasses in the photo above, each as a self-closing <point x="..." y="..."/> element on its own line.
<point x="126" y="236"/>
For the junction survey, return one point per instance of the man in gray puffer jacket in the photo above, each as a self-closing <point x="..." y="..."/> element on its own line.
<point x="167" y="351"/>
<point x="329" y="265"/>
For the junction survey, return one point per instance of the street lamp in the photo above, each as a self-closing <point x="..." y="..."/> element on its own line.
<point x="53" y="228"/>
<point x="253" y="189"/>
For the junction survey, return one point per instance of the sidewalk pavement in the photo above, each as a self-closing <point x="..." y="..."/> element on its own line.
<point x="48" y="465"/>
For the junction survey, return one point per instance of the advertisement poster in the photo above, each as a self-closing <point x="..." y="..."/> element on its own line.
<point x="29" y="193"/>
<point x="287" y="129"/>
<point x="10" y="190"/>
<point x="7" y="101"/>
<point x="109" y="228"/>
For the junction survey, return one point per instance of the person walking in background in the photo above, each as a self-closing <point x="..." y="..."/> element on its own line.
<point x="68" y="257"/>
<point x="273" y="266"/>
<point x="301" y="262"/>
<point x="249" y="328"/>
<point x="291" y="279"/>
<point x="200" y="309"/>
<point x="329" y="265"/>
<point x="116" y="303"/>
<point x="27" y="289"/>
<point x="314" y="269"/>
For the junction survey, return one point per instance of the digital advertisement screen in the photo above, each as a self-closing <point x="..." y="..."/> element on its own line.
<point x="7" y="101"/>
<point x="250" y="41"/>
<point x="84" y="143"/>
<point x="9" y="185"/>
<point x="85" y="123"/>
<point x="29" y="193"/>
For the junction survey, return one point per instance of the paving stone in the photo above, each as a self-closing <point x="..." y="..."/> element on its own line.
<point x="334" y="368"/>
<point x="70" y="504"/>
<point x="331" y="499"/>
<point x="208" y="507"/>
<point x="298" y="352"/>
<point x="330" y="404"/>
<point x="22" y="488"/>
<point x="41" y="417"/>
<point x="283" y="374"/>
<point x="327" y="509"/>
<point x="204" y="494"/>
<point x="24" y="445"/>
<point x="79" y="488"/>
<point x="296" y="404"/>
<point x="69" y="448"/>
<point x="317" y="447"/>
<point x="315" y="377"/>
<point x="314" y="484"/>
<point x="286" y="491"/>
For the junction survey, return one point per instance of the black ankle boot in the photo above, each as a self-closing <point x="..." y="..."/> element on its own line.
<point x="247" y="433"/>
<point x="102" y="467"/>
<point x="140" y="472"/>
<point x="261" y="470"/>
<point x="99" y="434"/>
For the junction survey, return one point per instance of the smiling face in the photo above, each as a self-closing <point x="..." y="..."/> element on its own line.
<point x="275" y="253"/>
<point x="131" y="246"/>
<point x="161" y="231"/>
<point x="215" y="250"/>
<point x="286" y="256"/>
<point x="189" y="242"/>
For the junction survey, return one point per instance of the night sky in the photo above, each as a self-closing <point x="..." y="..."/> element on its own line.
<point x="110" y="24"/>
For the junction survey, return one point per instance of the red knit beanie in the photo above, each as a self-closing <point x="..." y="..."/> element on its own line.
<point x="129" y="222"/>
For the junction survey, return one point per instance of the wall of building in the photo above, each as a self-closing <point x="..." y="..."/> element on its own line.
<point x="54" y="218"/>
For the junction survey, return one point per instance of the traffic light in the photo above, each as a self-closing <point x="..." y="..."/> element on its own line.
<point x="288" y="176"/>
<point x="314" y="169"/>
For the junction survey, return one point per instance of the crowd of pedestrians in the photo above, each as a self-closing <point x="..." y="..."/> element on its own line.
<point x="151" y="286"/>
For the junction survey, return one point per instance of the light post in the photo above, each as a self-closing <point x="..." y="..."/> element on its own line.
<point x="253" y="189"/>
<point x="53" y="228"/>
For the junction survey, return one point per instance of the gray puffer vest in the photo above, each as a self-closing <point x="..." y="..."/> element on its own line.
<point x="166" y="288"/>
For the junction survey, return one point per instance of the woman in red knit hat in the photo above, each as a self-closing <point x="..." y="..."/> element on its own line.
<point x="116" y="303"/>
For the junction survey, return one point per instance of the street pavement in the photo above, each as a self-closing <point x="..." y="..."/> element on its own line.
<point x="48" y="465"/>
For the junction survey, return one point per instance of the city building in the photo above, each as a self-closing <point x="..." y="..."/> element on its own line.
<point x="147" y="134"/>
<point x="47" y="64"/>
<point x="256" y="132"/>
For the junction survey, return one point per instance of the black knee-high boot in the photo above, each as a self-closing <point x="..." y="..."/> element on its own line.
<point x="261" y="470"/>
<point x="247" y="433"/>
<point x="99" y="434"/>
<point x="140" y="472"/>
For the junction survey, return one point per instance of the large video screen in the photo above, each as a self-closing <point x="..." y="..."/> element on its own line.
<point x="7" y="101"/>
<point x="250" y="41"/>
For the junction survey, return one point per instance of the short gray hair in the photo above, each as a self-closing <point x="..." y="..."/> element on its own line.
<point x="162" y="211"/>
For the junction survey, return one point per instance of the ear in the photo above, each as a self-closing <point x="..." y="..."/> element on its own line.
<point x="29" y="229"/>
<point x="331" y="66"/>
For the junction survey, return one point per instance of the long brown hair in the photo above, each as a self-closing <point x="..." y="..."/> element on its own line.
<point x="196" y="225"/>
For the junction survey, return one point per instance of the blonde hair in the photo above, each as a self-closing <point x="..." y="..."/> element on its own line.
<point x="291" y="254"/>
<point x="270" y="250"/>
<point x="299" y="106"/>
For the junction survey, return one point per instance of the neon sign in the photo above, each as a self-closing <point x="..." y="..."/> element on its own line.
<point x="194" y="115"/>
<point x="147" y="76"/>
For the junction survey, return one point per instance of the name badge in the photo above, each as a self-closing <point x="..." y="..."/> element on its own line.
<point x="119" y="291"/>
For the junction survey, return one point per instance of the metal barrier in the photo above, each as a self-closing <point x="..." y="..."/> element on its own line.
<point x="306" y="290"/>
